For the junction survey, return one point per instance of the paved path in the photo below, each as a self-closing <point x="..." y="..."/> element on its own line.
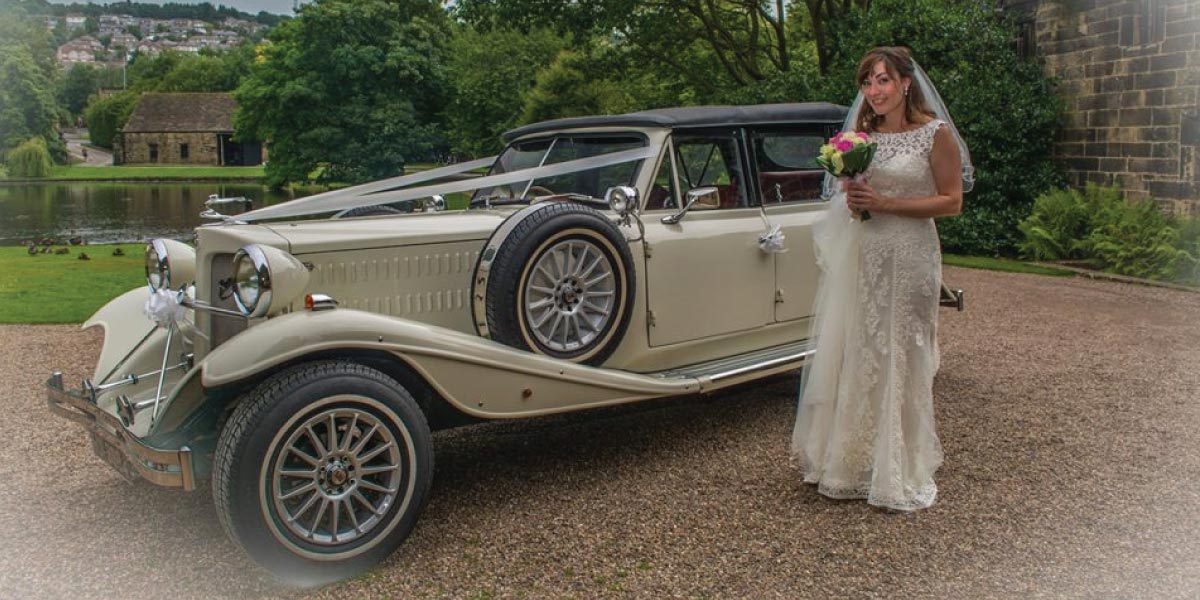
<point x="81" y="149"/>
<point x="1068" y="409"/>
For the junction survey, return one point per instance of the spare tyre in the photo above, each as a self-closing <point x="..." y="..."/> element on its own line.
<point x="556" y="279"/>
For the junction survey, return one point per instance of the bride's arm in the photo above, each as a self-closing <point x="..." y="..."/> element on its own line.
<point x="947" y="174"/>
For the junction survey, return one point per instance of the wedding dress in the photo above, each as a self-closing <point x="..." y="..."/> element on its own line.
<point x="865" y="426"/>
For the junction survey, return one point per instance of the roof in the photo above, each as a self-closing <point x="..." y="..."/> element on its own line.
<point x="697" y="116"/>
<point x="182" y="112"/>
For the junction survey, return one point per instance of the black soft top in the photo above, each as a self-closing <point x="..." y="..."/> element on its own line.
<point x="697" y="116"/>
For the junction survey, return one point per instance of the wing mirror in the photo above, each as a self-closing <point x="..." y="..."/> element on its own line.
<point x="701" y="198"/>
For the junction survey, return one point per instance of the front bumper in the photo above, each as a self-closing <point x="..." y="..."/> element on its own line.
<point x="120" y="449"/>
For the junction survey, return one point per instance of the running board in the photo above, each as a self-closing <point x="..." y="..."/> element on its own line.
<point x="742" y="364"/>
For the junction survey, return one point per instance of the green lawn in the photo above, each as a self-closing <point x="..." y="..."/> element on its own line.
<point x="60" y="288"/>
<point x="154" y="173"/>
<point x="1001" y="264"/>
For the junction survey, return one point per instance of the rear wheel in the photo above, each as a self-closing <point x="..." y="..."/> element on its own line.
<point x="322" y="471"/>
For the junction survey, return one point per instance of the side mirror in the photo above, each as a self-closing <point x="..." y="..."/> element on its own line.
<point x="436" y="203"/>
<point x="701" y="198"/>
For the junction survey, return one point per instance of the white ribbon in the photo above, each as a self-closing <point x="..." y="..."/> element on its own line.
<point x="384" y="192"/>
<point x="164" y="309"/>
<point x="773" y="241"/>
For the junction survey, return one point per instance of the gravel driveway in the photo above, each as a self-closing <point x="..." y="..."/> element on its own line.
<point x="1069" y="410"/>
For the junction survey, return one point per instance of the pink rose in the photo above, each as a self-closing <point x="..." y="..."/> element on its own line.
<point x="844" y="146"/>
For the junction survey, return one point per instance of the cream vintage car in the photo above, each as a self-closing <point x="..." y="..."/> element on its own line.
<point x="300" y="354"/>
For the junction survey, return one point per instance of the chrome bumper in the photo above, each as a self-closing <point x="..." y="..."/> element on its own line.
<point x="120" y="449"/>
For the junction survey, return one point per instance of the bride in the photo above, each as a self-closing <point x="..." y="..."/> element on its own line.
<point x="865" y="426"/>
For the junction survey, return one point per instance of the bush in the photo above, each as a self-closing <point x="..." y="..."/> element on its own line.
<point x="105" y="116"/>
<point x="1099" y="226"/>
<point x="1004" y="106"/>
<point x="30" y="159"/>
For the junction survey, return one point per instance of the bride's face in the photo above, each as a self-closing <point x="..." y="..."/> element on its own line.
<point x="884" y="92"/>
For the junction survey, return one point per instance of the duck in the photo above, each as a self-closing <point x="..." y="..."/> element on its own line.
<point x="84" y="256"/>
<point x="62" y="250"/>
<point x="76" y="240"/>
<point x="118" y="251"/>
<point x="47" y="241"/>
<point x="31" y="248"/>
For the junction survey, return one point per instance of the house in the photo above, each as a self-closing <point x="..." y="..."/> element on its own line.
<point x="79" y="50"/>
<point x="75" y="22"/>
<point x="191" y="128"/>
<point x="1129" y="73"/>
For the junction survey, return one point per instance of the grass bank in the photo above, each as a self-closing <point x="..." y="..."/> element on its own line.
<point x="61" y="288"/>
<point x="1002" y="264"/>
<point x="151" y="173"/>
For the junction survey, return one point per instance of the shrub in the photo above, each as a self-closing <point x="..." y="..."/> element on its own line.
<point x="106" y="116"/>
<point x="30" y="159"/>
<point x="1004" y="106"/>
<point x="1098" y="225"/>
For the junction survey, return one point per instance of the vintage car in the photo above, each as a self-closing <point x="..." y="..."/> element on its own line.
<point x="300" y="354"/>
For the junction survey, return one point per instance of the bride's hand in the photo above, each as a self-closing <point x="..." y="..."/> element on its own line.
<point x="862" y="197"/>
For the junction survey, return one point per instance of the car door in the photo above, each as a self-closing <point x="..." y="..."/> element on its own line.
<point x="705" y="275"/>
<point x="789" y="187"/>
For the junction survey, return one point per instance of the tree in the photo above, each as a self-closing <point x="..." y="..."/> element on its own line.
<point x="491" y="72"/>
<point x="80" y="82"/>
<point x="566" y="89"/>
<point x="30" y="159"/>
<point x="353" y="86"/>
<point x="27" y="106"/>
<point x="106" y="116"/>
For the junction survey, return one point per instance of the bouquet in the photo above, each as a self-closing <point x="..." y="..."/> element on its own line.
<point x="847" y="155"/>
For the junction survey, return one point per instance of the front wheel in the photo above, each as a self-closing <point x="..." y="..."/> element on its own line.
<point x="322" y="471"/>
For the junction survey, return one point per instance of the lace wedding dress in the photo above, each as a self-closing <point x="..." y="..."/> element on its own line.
<point x="865" y="425"/>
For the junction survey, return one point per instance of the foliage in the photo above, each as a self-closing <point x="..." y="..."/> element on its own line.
<point x="491" y="72"/>
<point x="30" y="159"/>
<point x="27" y="106"/>
<point x="107" y="115"/>
<point x="1004" y="106"/>
<point x="80" y="82"/>
<point x="156" y="173"/>
<point x="353" y="86"/>
<point x="204" y="11"/>
<point x="1099" y="226"/>
<point x="567" y="89"/>
<point x="60" y="288"/>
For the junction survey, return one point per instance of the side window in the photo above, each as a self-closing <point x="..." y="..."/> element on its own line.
<point x="662" y="192"/>
<point x="786" y="166"/>
<point x="711" y="160"/>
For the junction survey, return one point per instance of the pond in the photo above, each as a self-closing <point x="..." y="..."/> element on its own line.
<point x="104" y="213"/>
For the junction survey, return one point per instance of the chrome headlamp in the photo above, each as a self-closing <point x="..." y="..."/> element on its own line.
<point x="169" y="264"/>
<point x="266" y="280"/>
<point x="622" y="199"/>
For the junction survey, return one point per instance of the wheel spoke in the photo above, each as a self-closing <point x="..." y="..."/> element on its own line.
<point x="298" y="473"/>
<point x="582" y="260"/>
<point x="550" y="311"/>
<point x="353" y="517"/>
<point x="568" y="254"/>
<point x="547" y="274"/>
<point x="375" y="452"/>
<point x="304" y="456"/>
<point x="349" y="433"/>
<point x="601" y="277"/>
<point x="541" y="303"/>
<point x="363" y="472"/>
<point x="308" y="504"/>
<point x="364" y="439"/>
<point x="333" y="520"/>
<point x="591" y="267"/>
<point x="332" y="437"/>
<point x="308" y="487"/>
<point x="316" y="440"/>
<point x="312" y="531"/>
<point x="358" y="495"/>
<point x="370" y="485"/>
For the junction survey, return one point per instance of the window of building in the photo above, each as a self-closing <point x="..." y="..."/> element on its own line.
<point x="183" y="151"/>
<point x="153" y="152"/>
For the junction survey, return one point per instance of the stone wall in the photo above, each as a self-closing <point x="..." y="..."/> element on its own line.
<point x="202" y="148"/>
<point x="1130" y="74"/>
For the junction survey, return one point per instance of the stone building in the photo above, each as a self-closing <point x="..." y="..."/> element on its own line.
<point x="1129" y="72"/>
<point x="190" y="128"/>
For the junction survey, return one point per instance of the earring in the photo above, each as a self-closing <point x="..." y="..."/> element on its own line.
<point x="905" y="92"/>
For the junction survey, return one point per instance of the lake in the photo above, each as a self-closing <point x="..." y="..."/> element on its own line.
<point x="105" y="213"/>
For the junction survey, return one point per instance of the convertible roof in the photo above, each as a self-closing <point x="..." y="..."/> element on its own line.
<point x="696" y="116"/>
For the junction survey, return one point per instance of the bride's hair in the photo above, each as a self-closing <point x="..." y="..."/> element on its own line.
<point x="899" y="64"/>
